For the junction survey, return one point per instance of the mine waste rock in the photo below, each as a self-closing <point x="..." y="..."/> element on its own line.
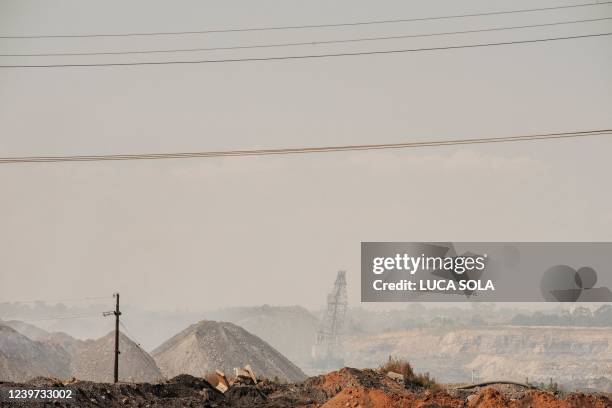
<point x="347" y="387"/>
<point x="289" y="329"/>
<point x="179" y="392"/>
<point x="32" y="332"/>
<point x="61" y="356"/>
<point x="28" y="330"/>
<point x="93" y="360"/>
<point x="22" y="358"/>
<point x="207" y="346"/>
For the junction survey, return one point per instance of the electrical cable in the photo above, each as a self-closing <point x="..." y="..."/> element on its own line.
<point x="129" y="335"/>
<point x="58" y="300"/>
<point x="309" y="43"/>
<point x="301" y="57"/>
<point x="62" y="317"/>
<point x="303" y="150"/>
<point x="292" y="27"/>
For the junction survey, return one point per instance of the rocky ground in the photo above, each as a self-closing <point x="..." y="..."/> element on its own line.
<point x="347" y="387"/>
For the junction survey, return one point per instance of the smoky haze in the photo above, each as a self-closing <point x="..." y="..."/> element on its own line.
<point x="207" y="233"/>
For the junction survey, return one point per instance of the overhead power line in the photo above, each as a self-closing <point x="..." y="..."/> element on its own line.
<point x="293" y="27"/>
<point x="130" y="335"/>
<point x="301" y="57"/>
<point x="304" y="150"/>
<point x="59" y="300"/>
<point x="67" y="317"/>
<point x="302" y="43"/>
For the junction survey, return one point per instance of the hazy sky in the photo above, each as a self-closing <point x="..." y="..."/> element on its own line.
<point x="202" y="233"/>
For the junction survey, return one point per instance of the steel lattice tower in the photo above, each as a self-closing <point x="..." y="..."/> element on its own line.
<point x="329" y="341"/>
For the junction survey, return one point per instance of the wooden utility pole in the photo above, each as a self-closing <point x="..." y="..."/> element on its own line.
<point x="117" y="352"/>
<point x="117" y="313"/>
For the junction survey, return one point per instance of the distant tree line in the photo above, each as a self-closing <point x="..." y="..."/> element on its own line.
<point x="579" y="316"/>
